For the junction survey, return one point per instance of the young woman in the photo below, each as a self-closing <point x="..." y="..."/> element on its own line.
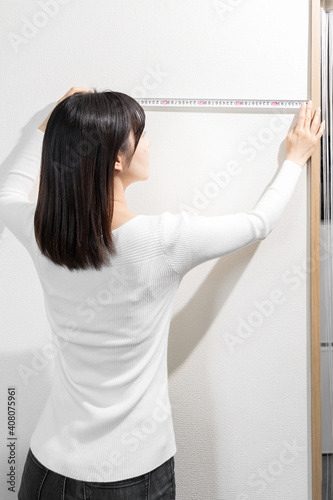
<point x="109" y="278"/>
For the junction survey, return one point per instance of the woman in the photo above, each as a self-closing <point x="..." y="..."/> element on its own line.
<point x="109" y="278"/>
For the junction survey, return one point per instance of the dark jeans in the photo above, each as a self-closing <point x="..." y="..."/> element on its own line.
<point x="40" y="483"/>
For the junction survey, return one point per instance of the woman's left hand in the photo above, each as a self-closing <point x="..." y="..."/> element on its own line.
<point x="72" y="91"/>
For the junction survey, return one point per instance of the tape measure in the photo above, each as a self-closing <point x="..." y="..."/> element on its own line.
<point x="217" y="103"/>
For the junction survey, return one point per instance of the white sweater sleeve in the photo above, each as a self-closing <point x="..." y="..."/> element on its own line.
<point x="190" y="240"/>
<point x="15" y="208"/>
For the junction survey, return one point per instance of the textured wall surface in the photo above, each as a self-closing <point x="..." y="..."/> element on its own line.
<point x="239" y="359"/>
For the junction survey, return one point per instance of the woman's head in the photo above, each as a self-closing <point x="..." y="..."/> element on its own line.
<point x="91" y="140"/>
<point x="137" y="167"/>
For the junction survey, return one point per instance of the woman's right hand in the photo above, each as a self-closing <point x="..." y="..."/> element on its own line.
<point x="304" y="136"/>
<point x="72" y="91"/>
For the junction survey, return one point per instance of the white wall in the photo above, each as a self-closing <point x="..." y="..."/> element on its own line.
<point x="236" y="412"/>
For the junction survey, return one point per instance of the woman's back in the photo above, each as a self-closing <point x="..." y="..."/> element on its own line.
<point x="109" y="398"/>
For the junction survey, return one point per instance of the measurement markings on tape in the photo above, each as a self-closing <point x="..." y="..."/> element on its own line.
<point x="217" y="103"/>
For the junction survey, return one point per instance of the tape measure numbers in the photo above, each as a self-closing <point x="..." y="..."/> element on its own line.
<point x="217" y="103"/>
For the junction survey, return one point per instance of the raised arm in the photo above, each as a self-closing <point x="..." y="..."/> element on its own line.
<point x="16" y="212"/>
<point x="190" y="240"/>
<point x="15" y="208"/>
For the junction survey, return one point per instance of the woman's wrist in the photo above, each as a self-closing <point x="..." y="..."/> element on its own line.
<point x="296" y="160"/>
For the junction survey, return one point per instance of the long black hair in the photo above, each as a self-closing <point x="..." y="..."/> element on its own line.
<point x="84" y="134"/>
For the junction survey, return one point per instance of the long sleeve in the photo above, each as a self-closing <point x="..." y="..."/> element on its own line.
<point x="190" y="240"/>
<point x="16" y="211"/>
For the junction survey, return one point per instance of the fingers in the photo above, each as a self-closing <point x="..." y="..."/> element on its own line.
<point x="315" y="121"/>
<point x="307" y="119"/>
<point x="321" y="130"/>
<point x="308" y="124"/>
<point x="304" y="118"/>
<point x="314" y="129"/>
<point x="72" y="91"/>
<point x="301" y="117"/>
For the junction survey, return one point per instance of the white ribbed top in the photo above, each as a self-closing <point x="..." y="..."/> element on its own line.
<point x="108" y="415"/>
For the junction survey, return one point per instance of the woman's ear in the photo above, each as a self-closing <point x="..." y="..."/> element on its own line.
<point x="118" y="165"/>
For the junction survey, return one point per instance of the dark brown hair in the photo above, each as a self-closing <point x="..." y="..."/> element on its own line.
<point x="84" y="134"/>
